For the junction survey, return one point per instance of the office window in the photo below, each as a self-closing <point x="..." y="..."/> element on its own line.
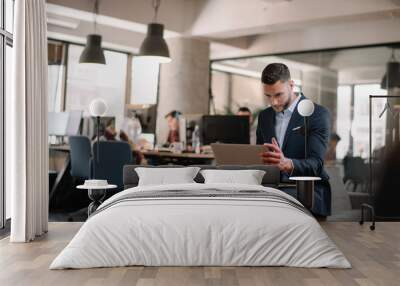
<point x="144" y="81"/>
<point x="6" y="42"/>
<point x="2" y="137"/>
<point x="86" y="82"/>
<point x="9" y="11"/>
<point x="343" y="120"/>
<point x="56" y="75"/>
<point x="360" y="124"/>
<point x="354" y="128"/>
<point x="8" y="93"/>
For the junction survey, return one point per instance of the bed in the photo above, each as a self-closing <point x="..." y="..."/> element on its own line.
<point x="197" y="224"/>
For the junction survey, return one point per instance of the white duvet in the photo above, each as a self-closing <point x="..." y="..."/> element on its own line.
<point x="200" y="231"/>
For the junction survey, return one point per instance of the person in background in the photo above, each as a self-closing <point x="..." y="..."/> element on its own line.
<point x="138" y="156"/>
<point x="173" y="126"/>
<point x="110" y="133"/>
<point x="131" y="129"/>
<point x="130" y="132"/>
<point x="331" y="153"/>
<point x="245" y="111"/>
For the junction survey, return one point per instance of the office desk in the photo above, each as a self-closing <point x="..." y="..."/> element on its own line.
<point x="61" y="148"/>
<point x="162" y="158"/>
<point x="156" y="158"/>
<point x="63" y="170"/>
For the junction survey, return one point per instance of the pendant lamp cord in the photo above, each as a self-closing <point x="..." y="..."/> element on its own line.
<point x="95" y="12"/>
<point x="393" y="57"/>
<point x="156" y="5"/>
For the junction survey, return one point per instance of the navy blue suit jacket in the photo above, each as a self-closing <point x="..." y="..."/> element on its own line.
<point x="293" y="148"/>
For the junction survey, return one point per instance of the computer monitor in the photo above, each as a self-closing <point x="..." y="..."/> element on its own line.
<point x="64" y="123"/>
<point x="225" y="129"/>
<point x="147" y="140"/>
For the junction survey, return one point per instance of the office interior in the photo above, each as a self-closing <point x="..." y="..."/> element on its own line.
<point x="340" y="55"/>
<point x="222" y="78"/>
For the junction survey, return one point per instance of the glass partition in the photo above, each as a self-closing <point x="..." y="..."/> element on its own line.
<point x="341" y="80"/>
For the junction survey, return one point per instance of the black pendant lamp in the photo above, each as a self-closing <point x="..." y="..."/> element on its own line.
<point x="93" y="52"/>
<point x="391" y="78"/>
<point x="154" y="46"/>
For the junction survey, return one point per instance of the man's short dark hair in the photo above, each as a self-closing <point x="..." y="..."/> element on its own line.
<point x="173" y="114"/>
<point x="275" y="72"/>
<point x="244" y="109"/>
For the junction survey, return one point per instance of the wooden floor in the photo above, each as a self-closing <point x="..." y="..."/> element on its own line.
<point x="375" y="257"/>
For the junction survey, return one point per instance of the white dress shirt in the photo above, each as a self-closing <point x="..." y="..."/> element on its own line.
<point x="282" y="121"/>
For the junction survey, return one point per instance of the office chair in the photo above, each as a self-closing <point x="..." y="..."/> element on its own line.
<point x="80" y="157"/>
<point x="80" y="153"/>
<point x="355" y="173"/>
<point x="384" y="193"/>
<point x="113" y="155"/>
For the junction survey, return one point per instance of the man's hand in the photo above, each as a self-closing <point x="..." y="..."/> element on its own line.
<point x="274" y="156"/>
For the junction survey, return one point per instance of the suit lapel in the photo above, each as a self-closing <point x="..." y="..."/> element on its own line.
<point x="271" y="126"/>
<point x="295" y="121"/>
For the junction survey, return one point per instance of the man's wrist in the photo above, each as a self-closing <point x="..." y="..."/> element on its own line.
<point x="288" y="166"/>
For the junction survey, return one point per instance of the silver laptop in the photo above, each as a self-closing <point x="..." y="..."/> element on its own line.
<point x="237" y="154"/>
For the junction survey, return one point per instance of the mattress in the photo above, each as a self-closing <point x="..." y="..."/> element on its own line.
<point x="201" y="225"/>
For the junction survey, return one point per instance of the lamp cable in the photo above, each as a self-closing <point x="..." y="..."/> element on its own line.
<point x="95" y="12"/>
<point x="156" y="5"/>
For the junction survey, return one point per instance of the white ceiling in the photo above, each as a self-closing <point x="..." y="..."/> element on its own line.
<point x="232" y="26"/>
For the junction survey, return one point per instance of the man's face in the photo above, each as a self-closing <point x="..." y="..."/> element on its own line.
<point x="279" y="94"/>
<point x="173" y="123"/>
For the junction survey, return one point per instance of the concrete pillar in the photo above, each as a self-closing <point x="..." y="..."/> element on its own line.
<point x="184" y="83"/>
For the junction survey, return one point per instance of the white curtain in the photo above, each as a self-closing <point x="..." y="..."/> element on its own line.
<point x="26" y="123"/>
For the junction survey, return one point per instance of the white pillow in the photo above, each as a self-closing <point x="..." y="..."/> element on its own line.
<point x="163" y="176"/>
<point x="248" y="177"/>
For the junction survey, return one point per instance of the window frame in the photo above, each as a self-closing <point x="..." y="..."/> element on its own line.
<point x="6" y="39"/>
<point x="64" y="82"/>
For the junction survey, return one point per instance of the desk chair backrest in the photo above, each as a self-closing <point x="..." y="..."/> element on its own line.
<point x="113" y="155"/>
<point x="355" y="169"/>
<point x="80" y="153"/>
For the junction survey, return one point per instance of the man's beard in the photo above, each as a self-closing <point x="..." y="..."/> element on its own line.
<point x="285" y="106"/>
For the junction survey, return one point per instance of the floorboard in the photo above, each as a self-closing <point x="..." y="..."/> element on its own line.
<point x="375" y="257"/>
